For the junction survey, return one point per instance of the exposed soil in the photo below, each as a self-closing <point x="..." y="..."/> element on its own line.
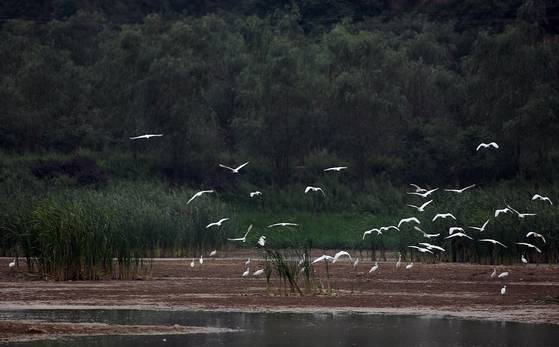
<point x="459" y="290"/>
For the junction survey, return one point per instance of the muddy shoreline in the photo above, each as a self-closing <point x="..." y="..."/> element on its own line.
<point x="460" y="291"/>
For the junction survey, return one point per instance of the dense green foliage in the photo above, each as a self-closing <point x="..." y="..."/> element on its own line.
<point x="398" y="95"/>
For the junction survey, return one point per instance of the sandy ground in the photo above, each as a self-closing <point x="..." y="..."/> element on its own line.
<point x="455" y="290"/>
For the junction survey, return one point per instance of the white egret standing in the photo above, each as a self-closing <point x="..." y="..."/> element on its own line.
<point x="262" y="241"/>
<point x="341" y="254"/>
<point x="374" y="268"/>
<point x="192" y="263"/>
<point x="282" y="225"/>
<point x="245" y="274"/>
<point x="494" y="273"/>
<point x="482" y="228"/>
<point x="12" y="264"/>
<point x="399" y="261"/>
<point x="355" y="263"/>
<point x="255" y="193"/>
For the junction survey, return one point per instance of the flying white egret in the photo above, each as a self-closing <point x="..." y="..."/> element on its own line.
<point x="246" y="273"/>
<point x="374" y="268"/>
<point x="262" y="241"/>
<point x="258" y="272"/>
<point x="399" y="261"/>
<point x="422" y="207"/>
<point x="529" y="245"/>
<point x="201" y="260"/>
<point x="199" y="194"/>
<point x="409" y="266"/>
<point x="451" y="230"/>
<point x="534" y="234"/>
<point x="408" y="220"/>
<point x="418" y="189"/>
<point x="389" y="227"/>
<point x="213" y="253"/>
<point x="487" y="145"/>
<point x="422" y="250"/>
<point x="521" y="215"/>
<point x="424" y="195"/>
<point x="542" y="198"/>
<point x="336" y="168"/>
<point x="255" y="193"/>
<point x="282" y="225"/>
<point x="523" y="259"/>
<point x="459" y="191"/>
<point x="431" y="247"/>
<point x="458" y="235"/>
<point x="504" y="290"/>
<point x="218" y="223"/>
<point x="425" y="234"/>
<point x="323" y="257"/>
<point x="340" y="254"/>
<point x="503" y="274"/>
<point x="443" y="216"/>
<point x="494" y="273"/>
<point x="503" y="210"/>
<point x="314" y="189"/>
<point x="146" y="136"/>
<point x="356" y="263"/>
<point x="482" y="228"/>
<point x="234" y="170"/>
<point x="247" y="262"/>
<point x="495" y="242"/>
<point x="244" y="238"/>
<point x="368" y="232"/>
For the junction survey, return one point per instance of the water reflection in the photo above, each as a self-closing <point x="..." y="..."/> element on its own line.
<point x="289" y="329"/>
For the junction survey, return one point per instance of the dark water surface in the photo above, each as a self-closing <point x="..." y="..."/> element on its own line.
<point x="298" y="329"/>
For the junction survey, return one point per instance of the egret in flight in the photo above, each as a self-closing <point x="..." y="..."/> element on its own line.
<point x="529" y="245"/>
<point x="443" y="216"/>
<point x="399" y="262"/>
<point x="368" y="232"/>
<point x="255" y="193"/>
<point x="451" y="230"/>
<point x="244" y="238"/>
<point x="336" y="168"/>
<point x="323" y="257"/>
<point x="482" y="228"/>
<point x="542" y="198"/>
<point x="458" y="235"/>
<point x="234" y="170"/>
<point x="503" y="210"/>
<point x="199" y="194"/>
<point x="487" y="145"/>
<point x="314" y="189"/>
<point x="218" y="223"/>
<point x="495" y="242"/>
<point x="494" y="273"/>
<point x="504" y="290"/>
<point x="201" y="260"/>
<point x="418" y="189"/>
<point x="408" y="220"/>
<point x="459" y="191"/>
<point x="341" y="254"/>
<point x="282" y="225"/>
<point x="521" y="215"/>
<point x="424" y="195"/>
<point x="425" y="234"/>
<point x="420" y="249"/>
<point x="422" y="207"/>
<point x="534" y="234"/>
<point x="146" y="136"/>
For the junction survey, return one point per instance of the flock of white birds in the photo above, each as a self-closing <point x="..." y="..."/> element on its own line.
<point x="422" y="247"/>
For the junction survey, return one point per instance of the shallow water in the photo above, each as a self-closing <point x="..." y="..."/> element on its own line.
<point x="298" y="329"/>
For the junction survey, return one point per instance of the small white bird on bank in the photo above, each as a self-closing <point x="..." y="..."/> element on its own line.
<point x="282" y="225"/>
<point x="534" y="234"/>
<point x="422" y="207"/>
<point x="12" y="265"/>
<point x="494" y="273"/>
<point x="258" y="272"/>
<point x="314" y="189"/>
<point x="374" y="268"/>
<point x="482" y="228"/>
<point x="523" y="259"/>
<point x="443" y="216"/>
<point x="487" y="145"/>
<point x="201" y="260"/>
<point x="504" y="290"/>
<point x="542" y="198"/>
<point x="459" y="191"/>
<point x="495" y="242"/>
<point x="336" y="168"/>
<point x="218" y="223"/>
<point x="247" y="262"/>
<point x="425" y="234"/>
<point x="244" y="238"/>
<point x="146" y="136"/>
<point x="199" y="194"/>
<point x="246" y="273"/>
<point x="255" y="193"/>
<point x="408" y="220"/>
<point x="409" y="266"/>
<point x="356" y="263"/>
<point x="399" y="262"/>
<point x="213" y="253"/>
<point x="503" y="274"/>
<point x="529" y="245"/>
<point x="192" y="264"/>
<point x="234" y="170"/>
<point x="341" y="254"/>
<point x="424" y="195"/>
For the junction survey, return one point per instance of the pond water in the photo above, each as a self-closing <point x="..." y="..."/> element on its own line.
<point x="297" y="329"/>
